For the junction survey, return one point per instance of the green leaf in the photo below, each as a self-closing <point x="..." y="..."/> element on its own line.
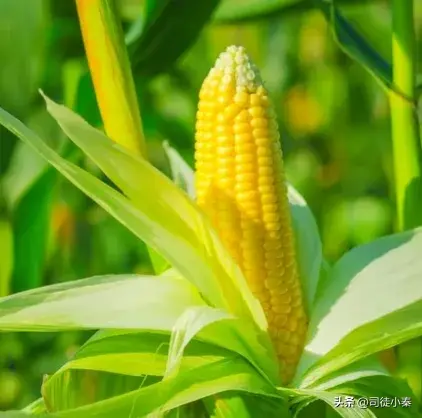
<point x="308" y="244"/>
<point x="136" y="353"/>
<point x="170" y="28"/>
<point x="36" y="408"/>
<point x="368" y="367"/>
<point x="189" y="324"/>
<point x="356" y="46"/>
<point x="167" y="221"/>
<point x="126" y="301"/>
<point x="224" y="330"/>
<point x="182" y="174"/>
<point x="382" y="387"/>
<point x="6" y="251"/>
<point x="186" y="387"/>
<point x="132" y="354"/>
<point x="378" y="282"/>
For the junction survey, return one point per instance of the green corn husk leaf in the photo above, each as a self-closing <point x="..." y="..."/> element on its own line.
<point x="389" y="268"/>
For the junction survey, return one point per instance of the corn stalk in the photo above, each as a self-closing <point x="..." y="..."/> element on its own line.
<point x="406" y="154"/>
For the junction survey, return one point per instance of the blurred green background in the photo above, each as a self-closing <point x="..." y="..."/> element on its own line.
<point x="333" y="116"/>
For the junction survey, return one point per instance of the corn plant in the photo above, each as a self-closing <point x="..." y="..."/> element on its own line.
<point x="247" y="319"/>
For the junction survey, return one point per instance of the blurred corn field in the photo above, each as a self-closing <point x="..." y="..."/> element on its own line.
<point x="334" y="121"/>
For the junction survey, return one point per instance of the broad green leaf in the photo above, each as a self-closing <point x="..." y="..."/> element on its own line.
<point x="378" y="282"/>
<point x="171" y="223"/>
<point x="169" y="28"/>
<point x="308" y="241"/>
<point x="186" y="387"/>
<point x="126" y="301"/>
<point x="6" y="251"/>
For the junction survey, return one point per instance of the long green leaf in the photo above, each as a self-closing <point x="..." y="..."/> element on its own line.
<point x="185" y="388"/>
<point x="127" y="301"/>
<point x="356" y="46"/>
<point x="127" y="354"/>
<point x="378" y="282"/>
<point x="170" y="27"/>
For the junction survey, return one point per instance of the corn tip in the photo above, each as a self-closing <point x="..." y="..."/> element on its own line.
<point x="237" y="66"/>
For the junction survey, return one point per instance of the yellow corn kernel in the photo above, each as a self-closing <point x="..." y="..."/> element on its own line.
<point x="240" y="184"/>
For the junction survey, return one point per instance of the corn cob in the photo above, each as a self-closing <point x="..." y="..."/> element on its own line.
<point x="240" y="185"/>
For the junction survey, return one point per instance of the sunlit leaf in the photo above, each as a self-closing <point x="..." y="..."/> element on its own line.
<point x="378" y="282"/>
<point x="187" y="387"/>
<point x="126" y="301"/>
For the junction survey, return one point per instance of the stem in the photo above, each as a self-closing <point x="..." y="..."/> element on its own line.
<point x="111" y="73"/>
<point x="405" y="132"/>
<point x="407" y="158"/>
